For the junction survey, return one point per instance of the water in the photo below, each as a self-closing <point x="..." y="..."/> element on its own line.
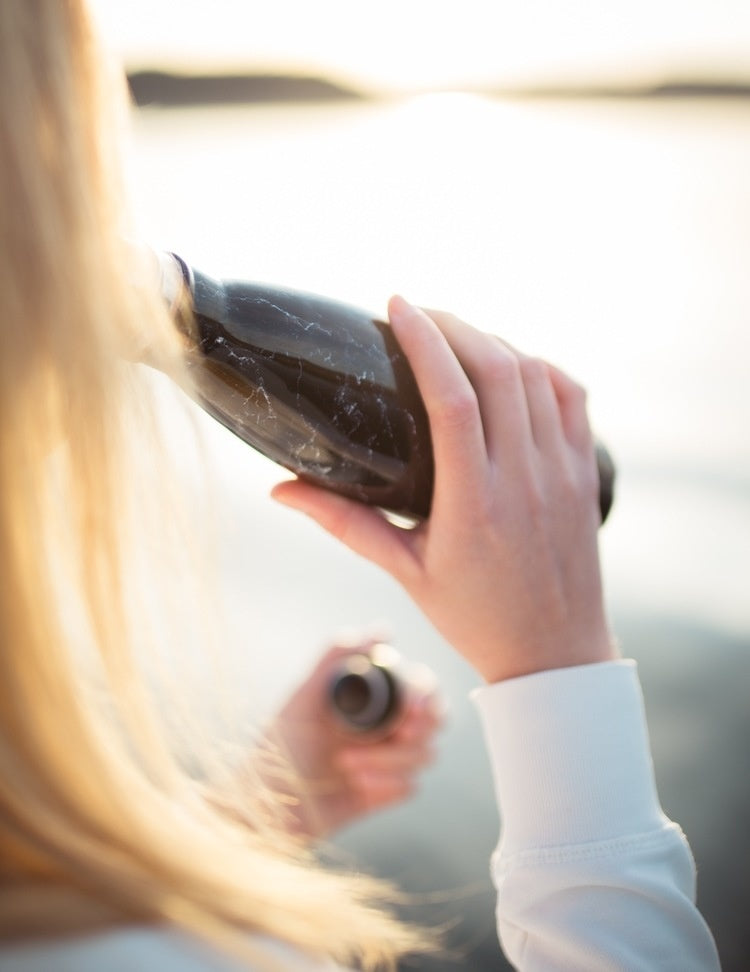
<point x="612" y="237"/>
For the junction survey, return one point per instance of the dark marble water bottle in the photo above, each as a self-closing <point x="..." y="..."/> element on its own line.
<point x="320" y="387"/>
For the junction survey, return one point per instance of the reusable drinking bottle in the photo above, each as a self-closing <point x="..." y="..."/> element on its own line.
<point x="320" y="387"/>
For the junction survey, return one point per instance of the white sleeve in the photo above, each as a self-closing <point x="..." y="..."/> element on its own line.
<point x="590" y="874"/>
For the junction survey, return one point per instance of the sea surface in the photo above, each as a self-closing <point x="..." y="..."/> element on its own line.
<point x="611" y="236"/>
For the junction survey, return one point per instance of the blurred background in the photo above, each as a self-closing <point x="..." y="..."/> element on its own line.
<point x="575" y="177"/>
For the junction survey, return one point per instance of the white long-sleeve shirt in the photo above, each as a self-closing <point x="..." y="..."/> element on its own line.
<point x="590" y="874"/>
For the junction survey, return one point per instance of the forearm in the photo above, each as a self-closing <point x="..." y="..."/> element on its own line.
<point x="590" y="873"/>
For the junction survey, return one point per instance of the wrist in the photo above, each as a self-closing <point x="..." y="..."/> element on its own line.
<point x="559" y="653"/>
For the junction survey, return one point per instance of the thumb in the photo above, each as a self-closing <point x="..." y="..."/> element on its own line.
<point x="360" y="528"/>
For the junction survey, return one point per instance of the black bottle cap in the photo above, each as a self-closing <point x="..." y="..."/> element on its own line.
<point x="363" y="694"/>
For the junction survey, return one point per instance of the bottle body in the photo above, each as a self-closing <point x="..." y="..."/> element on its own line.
<point x="323" y="389"/>
<point x="317" y="386"/>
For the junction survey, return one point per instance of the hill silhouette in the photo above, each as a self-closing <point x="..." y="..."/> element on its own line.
<point x="164" y="88"/>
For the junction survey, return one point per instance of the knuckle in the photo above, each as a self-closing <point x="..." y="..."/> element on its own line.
<point x="457" y="410"/>
<point x="569" y="486"/>
<point x="590" y="479"/>
<point x="578" y="485"/>
<point x="534" y="369"/>
<point x="500" y="365"/>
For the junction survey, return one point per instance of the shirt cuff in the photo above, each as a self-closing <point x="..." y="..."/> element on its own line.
<point x="570" y="756"/>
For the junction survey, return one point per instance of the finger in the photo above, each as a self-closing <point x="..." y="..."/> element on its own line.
<point x="543" y="406"/>
<point x="359" y="527"/>
<point x="494" y="371"/>
<point x="423" y="713"/>
<point x="385" y="759"/>
<point x="571" y="398"/>
<point x="450" y="401"/>
<point x="379" y="789"/>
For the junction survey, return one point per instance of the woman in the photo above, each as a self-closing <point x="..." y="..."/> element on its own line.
<point x="112" y="854"/>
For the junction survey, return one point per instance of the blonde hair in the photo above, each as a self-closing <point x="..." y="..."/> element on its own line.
<point x="99" y="824"/>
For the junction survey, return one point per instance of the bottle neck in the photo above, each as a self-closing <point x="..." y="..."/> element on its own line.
<point x="178" y="289"/>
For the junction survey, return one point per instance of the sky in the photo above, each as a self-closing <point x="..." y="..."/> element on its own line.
<point x="421" y="44"/>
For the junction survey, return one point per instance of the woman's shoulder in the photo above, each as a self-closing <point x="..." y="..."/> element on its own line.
<point x="144" y="949"/>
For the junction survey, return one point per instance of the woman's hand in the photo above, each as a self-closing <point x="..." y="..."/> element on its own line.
<point x="339" y="776"/>
<point x="507" y="565"/>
